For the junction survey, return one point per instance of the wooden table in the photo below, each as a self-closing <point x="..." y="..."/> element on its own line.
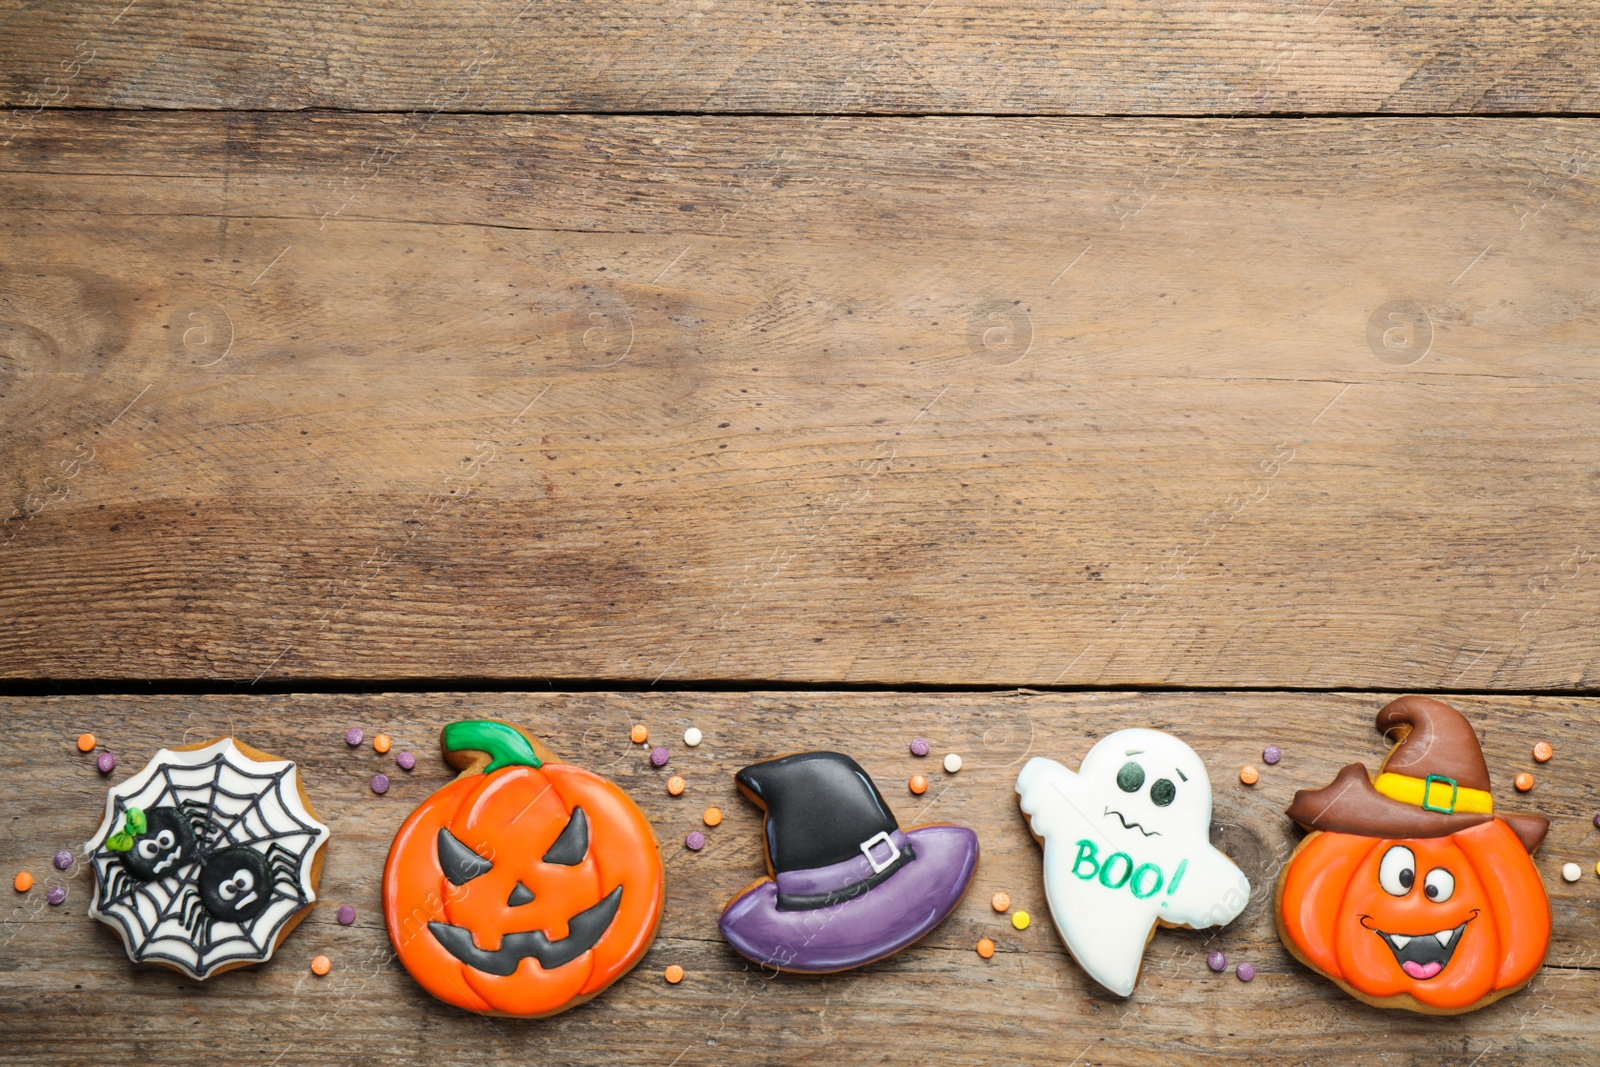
<point x="818" y="375"/>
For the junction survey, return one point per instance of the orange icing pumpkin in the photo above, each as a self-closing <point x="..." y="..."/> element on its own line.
<point x="524" y="887"/>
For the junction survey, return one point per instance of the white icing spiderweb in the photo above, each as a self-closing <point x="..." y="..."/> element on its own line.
<point x="229" y="800"/>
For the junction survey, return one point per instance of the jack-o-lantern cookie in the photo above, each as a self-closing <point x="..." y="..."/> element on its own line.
<point x="847" y="885"/>
<point x="207" y="858"/>
<point x="1127" y="847"/>
<point x="1412" y="891"/>
<point x="524" y="887"/>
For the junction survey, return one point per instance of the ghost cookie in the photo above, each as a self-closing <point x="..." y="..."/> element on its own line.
<point x="1127" y="847"/>
<point x="207" y="858"/>
<point x="1412" y="891"/>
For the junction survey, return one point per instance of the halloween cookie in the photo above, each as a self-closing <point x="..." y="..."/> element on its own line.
<point x="524" y="887"/>
<point x="207" y="858"/>
<point x="847" y="886"/>
<point x="1127" y="847"/>
<point x="1412" y="891"/>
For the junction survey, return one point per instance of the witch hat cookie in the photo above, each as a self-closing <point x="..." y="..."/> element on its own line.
<point x="847" y="885"/>
<point x="1413" y="891"/>
<point x="524" y="887"/>
<point x="1127" y="846"/>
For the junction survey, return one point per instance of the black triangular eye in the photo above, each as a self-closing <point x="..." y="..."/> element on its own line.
<point x="573" y="844"/>
<point x="458" y="862"/>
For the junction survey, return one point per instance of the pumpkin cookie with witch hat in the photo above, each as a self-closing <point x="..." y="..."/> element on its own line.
<point x="1412" y="891"/>
<point x="524" y="887"/>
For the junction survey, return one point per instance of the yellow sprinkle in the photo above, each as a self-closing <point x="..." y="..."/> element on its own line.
<point x="1020" y="920"/>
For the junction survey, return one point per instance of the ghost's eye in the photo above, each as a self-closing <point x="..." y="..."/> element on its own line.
<point x="149" y="849"/>
<point x="1163" y="792"/>
<point x="1397" y="871"/>
<point x="1440" y="885"/>
<point x="458" y="862"/>
<point x="1131" y="778"/>
<point x="573" y="844"/>
<point x="166" y="839"/>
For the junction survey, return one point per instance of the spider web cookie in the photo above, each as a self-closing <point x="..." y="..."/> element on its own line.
<point x="206" y="858"/>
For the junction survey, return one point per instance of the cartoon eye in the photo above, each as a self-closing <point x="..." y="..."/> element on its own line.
<point x="1163" y="792"/>
<point x="166" y="839"/>
<point x="458" y="862"/>
<point x="1440" y="885"/>
<point x="1131" y="778"/>
<point x="573" y="844"/>
<point x="1397" y="871"/>
<point x="149" y="849"/>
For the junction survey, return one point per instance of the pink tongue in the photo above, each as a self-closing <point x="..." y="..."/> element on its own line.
<point x="1421" y="970"/>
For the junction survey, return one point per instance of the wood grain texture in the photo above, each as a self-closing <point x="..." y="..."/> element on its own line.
<point x="1031" y="56"/>
<point x="1001" y="402"/>
<point x="68" y="992"/>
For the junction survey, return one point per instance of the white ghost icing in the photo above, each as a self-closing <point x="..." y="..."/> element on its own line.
<point x="1116" y="861"/>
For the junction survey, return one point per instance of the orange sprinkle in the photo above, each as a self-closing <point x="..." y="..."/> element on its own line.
<point x="321" y="965"/>
<point x="639" y="734"/>
<point x="713" y="816"/>
<point x="674" y="974"/>
<point x="986" y="948"/>
<point x="675" y="785"/>
<point x="1524" y="782"/>
<point x="1249" y="775"/>
<point x="380" y="744"/>
<point x="86" y="742"/>
<point x="23" y="882"/>
<point x="1000" y="902"/>
<point x="919" y="784"/>
<point x="1542" y="751"/>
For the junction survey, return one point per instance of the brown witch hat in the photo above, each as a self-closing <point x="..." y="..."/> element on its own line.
<point x="1433" y="783"/>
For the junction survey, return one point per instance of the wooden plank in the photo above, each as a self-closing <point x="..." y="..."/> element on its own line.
<point x="1027" y="57"/>
<point x="999" y="402"/>
<point x="69" y="992"/>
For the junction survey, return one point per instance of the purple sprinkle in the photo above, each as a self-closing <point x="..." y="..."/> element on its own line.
<point x="919" y="747"/>
<point x="695" y="841"/>
<point x="1246" y="972"/>
<point x="347" y="915"/>
<point x="1218" y="961"/>
<point x="56" y="894"/>
<point x="406" y="761"/>
<point x="1271" y="754"/>
<point x="380" y="783"/>
<point x="353" y="736"/>
<point x="1597" y="819"/>
<point x="659" y="756"/>
<point x="63" y="860"/>
<point x="106" y="762"/>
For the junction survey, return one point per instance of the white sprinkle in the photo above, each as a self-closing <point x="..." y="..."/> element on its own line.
<point x="952" y="763"/>
<point x="1571" y="872"/>
<point x="692" y="736"/>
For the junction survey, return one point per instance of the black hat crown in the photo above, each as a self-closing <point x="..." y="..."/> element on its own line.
<point x="820" y="807"/>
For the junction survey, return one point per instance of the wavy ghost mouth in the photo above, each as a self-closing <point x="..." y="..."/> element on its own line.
<point x="583" y="932"/>
<point x="1422" y="956"/>
<point x="1126" y="825"/>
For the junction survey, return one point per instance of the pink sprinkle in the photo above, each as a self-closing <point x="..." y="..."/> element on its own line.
<point x="659" y="756"/>
<point x="106" y="762"/>
<point x="380" y="783"/>
<point x="1271" y="754"/>
<point x="1218" y="961"/>
<point x="406" y="761"/>
<point x="919" y="747"/>
<point x="63" y="860"/>
<point x="347" y="915"/>
<point x="1246" y="972"/>
<point x="56" y="894"/>
<point x="695" y="841"/>
<point x="352" y="736"/>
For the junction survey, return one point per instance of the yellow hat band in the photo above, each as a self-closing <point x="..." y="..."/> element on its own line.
<point x="1435" y="793"/>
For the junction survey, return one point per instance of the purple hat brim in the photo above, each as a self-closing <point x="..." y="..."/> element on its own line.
<point x="881" y="921"/>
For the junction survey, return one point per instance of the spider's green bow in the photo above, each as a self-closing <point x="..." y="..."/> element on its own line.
<point x="133" y="823"/>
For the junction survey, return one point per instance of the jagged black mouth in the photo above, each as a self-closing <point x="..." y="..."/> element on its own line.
<point x="1126" y="825"/>
<point x="583" y="931"/>
<point x="1423" y="956"/>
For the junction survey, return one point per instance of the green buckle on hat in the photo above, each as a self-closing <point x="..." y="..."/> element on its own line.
<point x="1427" y="787"/>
